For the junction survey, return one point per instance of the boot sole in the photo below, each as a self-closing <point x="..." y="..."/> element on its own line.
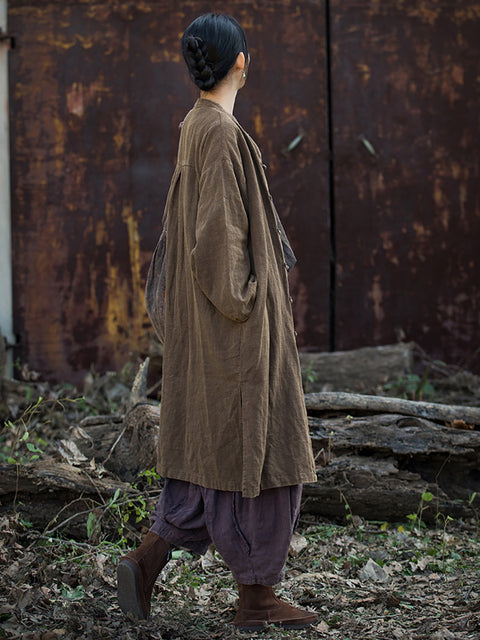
<point x="128" y="590"/>
<point x="262" y="627"/>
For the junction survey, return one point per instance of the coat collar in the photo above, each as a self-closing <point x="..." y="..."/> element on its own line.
<point x="205" y="103"/>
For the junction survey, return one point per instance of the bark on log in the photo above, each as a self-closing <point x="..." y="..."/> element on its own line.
<point x="50" y="476"/>
<point x="124" y="446"/>
<point x="348" y="402"/>
<point x="375" y="489"/>
<point x="359" y="370"/>
<point x="380" y="466"/>
<point x="55" y="495"/>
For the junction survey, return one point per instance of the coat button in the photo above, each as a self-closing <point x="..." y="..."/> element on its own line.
<point x="295" y="334"/>
<point x="291" y="299"/>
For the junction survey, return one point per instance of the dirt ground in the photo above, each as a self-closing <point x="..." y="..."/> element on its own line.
<point x="366" y="580"/>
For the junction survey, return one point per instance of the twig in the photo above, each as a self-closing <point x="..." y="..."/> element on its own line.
<point x="105" y="508"/>
<point x="114" y="445"/>
<point x="154" y="387"/>
<point x="16" y="489"/>
<point x="94" y="486"/>
<point x="79" y="513"/>
<point x="73" y="543"/>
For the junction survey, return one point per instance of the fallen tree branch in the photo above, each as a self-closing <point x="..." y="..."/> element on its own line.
<point x="337" y="401"/>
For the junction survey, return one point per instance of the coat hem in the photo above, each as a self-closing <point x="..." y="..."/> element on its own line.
<point x="247" y="492"/>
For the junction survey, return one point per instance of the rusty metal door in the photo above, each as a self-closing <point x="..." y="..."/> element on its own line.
<point x="406" y="119"/>
<point x="367" y="115"/>
<point x="98" y="90"/>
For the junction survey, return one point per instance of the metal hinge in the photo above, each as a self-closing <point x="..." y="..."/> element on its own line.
<point x="6" y="37"/>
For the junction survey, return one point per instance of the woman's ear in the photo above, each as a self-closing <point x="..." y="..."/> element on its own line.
<point x="240" y="62"/>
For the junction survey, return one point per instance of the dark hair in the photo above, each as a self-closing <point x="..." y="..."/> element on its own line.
<point x="210" y="46"/>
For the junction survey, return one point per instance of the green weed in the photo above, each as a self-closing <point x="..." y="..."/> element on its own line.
<point x="19" y="440"/>
<point x="309" y="377"/>
<point x="416" y="518"/>
<point x="412" y="386"/>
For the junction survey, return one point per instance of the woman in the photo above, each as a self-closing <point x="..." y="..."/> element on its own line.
<point x="233" y="445"/>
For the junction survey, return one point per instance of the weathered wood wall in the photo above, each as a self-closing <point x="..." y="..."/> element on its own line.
<point x="97" y="92"/>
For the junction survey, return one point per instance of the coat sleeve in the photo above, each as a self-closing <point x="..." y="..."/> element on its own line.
<point x="220" y="258"/>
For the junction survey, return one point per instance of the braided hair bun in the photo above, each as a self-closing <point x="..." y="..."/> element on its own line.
<point x="196" y="57"/>
<point x="210" y="46"/>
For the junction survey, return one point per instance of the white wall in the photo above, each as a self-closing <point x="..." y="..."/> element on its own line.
<point x="6" y="307"/>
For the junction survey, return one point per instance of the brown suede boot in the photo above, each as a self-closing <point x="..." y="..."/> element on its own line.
<point x="137" y="572"/>
<point x="259" y="606"/>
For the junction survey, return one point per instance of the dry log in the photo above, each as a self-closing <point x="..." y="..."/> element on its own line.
<point x="54" y="495"/>
<point x="95" y="435"/>
<point x="358" y="370"/>
<point x="348" y="402"/>
<point x="380" y="465"/>
<point x="126" y="444"/>
<point x="376" y="489"/>
<point x="385" y="435"/>
<point x="50" y="476"/>
<point x="123" y="445"/>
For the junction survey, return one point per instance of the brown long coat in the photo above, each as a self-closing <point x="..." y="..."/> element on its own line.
<point x="232" y="415"/>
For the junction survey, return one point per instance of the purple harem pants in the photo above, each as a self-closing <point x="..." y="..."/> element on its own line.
<point x="251" y="534"/>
